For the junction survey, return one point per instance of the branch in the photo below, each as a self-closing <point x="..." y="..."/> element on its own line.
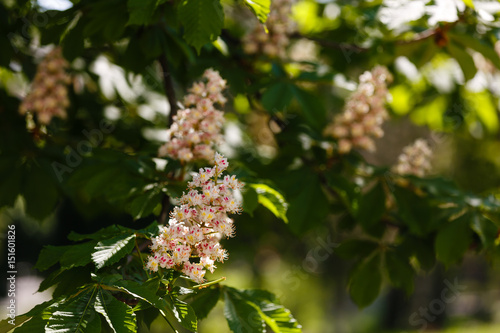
<point x="168" y="85"/>
<point x="331" y="44"/>
<point x="433" y="32"/>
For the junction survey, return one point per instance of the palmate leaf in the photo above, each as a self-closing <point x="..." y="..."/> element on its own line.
<point x="252" y="310"/>
<point x="109" y="251"/>
<point x="203" y="21"/>
<point x="119" y="316"/>
<point x="184" y="314"/>
<point x="260" y="8"/>
<point x="76" y="315"/>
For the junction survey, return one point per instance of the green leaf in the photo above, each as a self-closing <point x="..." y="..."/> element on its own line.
<point x="422" y="249"/>
<point x="58" y="276"/>
<point x="241" y="315"/>
<point x="150" y="231"/>
<point x="78" y="255"/>
<point x="184" y="313"/>
<point x="205" y="300"/>
<point x="260" y="8"/>
<point x="453" y="240"/>
<point x="72" y="279"/>
<point x="276" y="316"/>
<point x="413" y="210"/>
<point x="308" y="204"/>
<point x="203" y="21"/>
<point x="109" y="251"/>
<point x="277" y="97"/>
<point x="145" y="291"/>
<point x="76" y="314"/>
<point x="250" y="310"/>
<point x="485" y="229"/>
<point x="312" y="108"/>
<point x="272" y="200"/>
<point x="371" y="207"/>
<point x="50" y="255"/>
<point x="400" y="271"/>
<point x="366" y="281"/>
<point x="418" y="53"/>
<point x="348" y="192"/>
<point x="250" y="200"/>
<point x="141" y="11"/>
<point x="104" y="233"/>
<point x="466" y="40"/>
<point x="35" y="324"/>
<point x="5" y="326"/>
<point x="464" y="59"/>
<point x="118" y="315"/>
<point x="144" y="204"/>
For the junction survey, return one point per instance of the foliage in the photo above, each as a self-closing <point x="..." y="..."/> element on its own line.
<point x="391" y="226"/>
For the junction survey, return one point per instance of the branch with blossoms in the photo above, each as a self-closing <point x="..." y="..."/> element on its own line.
<point x="190" y="242"/>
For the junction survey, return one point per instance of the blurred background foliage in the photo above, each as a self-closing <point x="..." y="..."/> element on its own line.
<point x="444" y="59"/>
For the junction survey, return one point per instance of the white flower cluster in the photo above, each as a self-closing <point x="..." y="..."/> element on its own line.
<point x="197" y="128"/>
<point x="49" y="93"/>
<point x="415" y="159"/>
<point x="279" y="26"/>
<point x="363" y="114"/>
<point x="196" y="225"/>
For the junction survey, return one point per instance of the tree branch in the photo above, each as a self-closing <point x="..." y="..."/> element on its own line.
<point x="168" y="85"/>
<point x="437" y="32"/>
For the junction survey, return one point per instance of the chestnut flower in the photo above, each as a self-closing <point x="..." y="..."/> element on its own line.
<point x="364" y="113"/>
<point x="190" y="243"/>
<point x="415" y="159"/>
<point x="196" y="129"/>
<point x="49" y="93"/>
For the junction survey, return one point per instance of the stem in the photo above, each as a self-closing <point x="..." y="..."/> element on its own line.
<point x="140" y="255"/>
<point x="209" y="283"/>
